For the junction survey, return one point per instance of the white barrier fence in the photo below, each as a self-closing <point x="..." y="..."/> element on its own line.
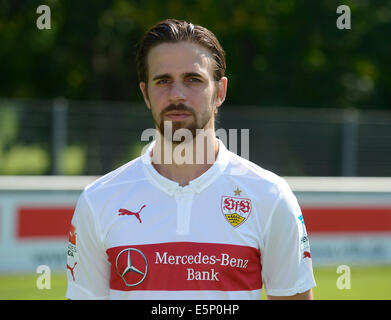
<point x="348" y="219"/>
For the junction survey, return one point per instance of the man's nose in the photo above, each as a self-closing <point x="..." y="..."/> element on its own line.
<point x="176" y="93"/>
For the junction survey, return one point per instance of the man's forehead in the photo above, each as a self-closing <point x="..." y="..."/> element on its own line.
<point x="180" y="57"/>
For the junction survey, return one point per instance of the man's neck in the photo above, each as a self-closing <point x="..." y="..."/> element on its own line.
<point x="184" y="162"/>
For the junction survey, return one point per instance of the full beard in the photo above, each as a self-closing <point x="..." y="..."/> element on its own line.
<point x="193" y="125"/>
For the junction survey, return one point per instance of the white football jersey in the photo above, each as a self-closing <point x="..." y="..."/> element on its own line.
<point x="138" y="235"/>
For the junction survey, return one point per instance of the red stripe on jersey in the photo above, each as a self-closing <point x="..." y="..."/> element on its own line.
<point x="347" y="219"/>
<point x="185" y="266"/>
<point x="43" y="222"/>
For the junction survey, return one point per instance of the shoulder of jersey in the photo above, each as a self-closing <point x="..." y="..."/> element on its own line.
<point x="130" y="171"/>
<point x="252" y="171"/>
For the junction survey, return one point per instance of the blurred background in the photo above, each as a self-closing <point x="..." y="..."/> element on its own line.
<point x="316" y="101"/>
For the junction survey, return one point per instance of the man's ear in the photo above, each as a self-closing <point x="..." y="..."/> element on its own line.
<point x="221" y="91"/>
<point x="143" y="88"/>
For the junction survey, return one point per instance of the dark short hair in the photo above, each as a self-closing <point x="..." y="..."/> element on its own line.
<point x="172" y="30"/>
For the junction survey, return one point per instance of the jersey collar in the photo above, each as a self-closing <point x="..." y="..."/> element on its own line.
<point x="195" y="186"/>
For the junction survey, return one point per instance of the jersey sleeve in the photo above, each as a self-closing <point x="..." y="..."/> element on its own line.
<point x="286" y="257"/>
<point x="87" y="267"/>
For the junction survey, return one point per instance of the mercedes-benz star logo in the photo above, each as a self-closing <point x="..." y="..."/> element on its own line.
<point x="130" y="267"/>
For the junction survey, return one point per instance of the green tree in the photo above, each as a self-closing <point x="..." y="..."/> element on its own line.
<point x="278" y="52"/>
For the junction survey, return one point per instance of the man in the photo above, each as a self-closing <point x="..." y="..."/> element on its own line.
<point x="188" y="219"/>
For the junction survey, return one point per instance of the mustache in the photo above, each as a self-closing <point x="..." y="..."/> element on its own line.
<point x="177" y="107"/>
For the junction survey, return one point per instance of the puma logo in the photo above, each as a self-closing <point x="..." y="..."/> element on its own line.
<point x="71" y="269"/>
<point x="123" y="212"/>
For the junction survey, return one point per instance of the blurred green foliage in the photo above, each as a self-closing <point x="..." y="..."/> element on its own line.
<point x="73" y="160"/>
<point x="21" y="160"/>
<point x="283" y="52"/>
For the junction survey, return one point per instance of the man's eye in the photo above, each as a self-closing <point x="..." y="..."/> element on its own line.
<point x="162" y="81"/>
<point x="194" y="80"/>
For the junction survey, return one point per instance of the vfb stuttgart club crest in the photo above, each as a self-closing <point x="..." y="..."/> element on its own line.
<point x="236" y="210"/>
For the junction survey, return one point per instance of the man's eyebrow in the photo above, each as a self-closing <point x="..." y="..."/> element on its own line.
<point x="185" y="75"/>
<point x="161" y="76"/>
<point x="192" y="74"/>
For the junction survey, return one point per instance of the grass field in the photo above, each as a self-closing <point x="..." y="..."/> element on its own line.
<point x="367" y="283"/>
